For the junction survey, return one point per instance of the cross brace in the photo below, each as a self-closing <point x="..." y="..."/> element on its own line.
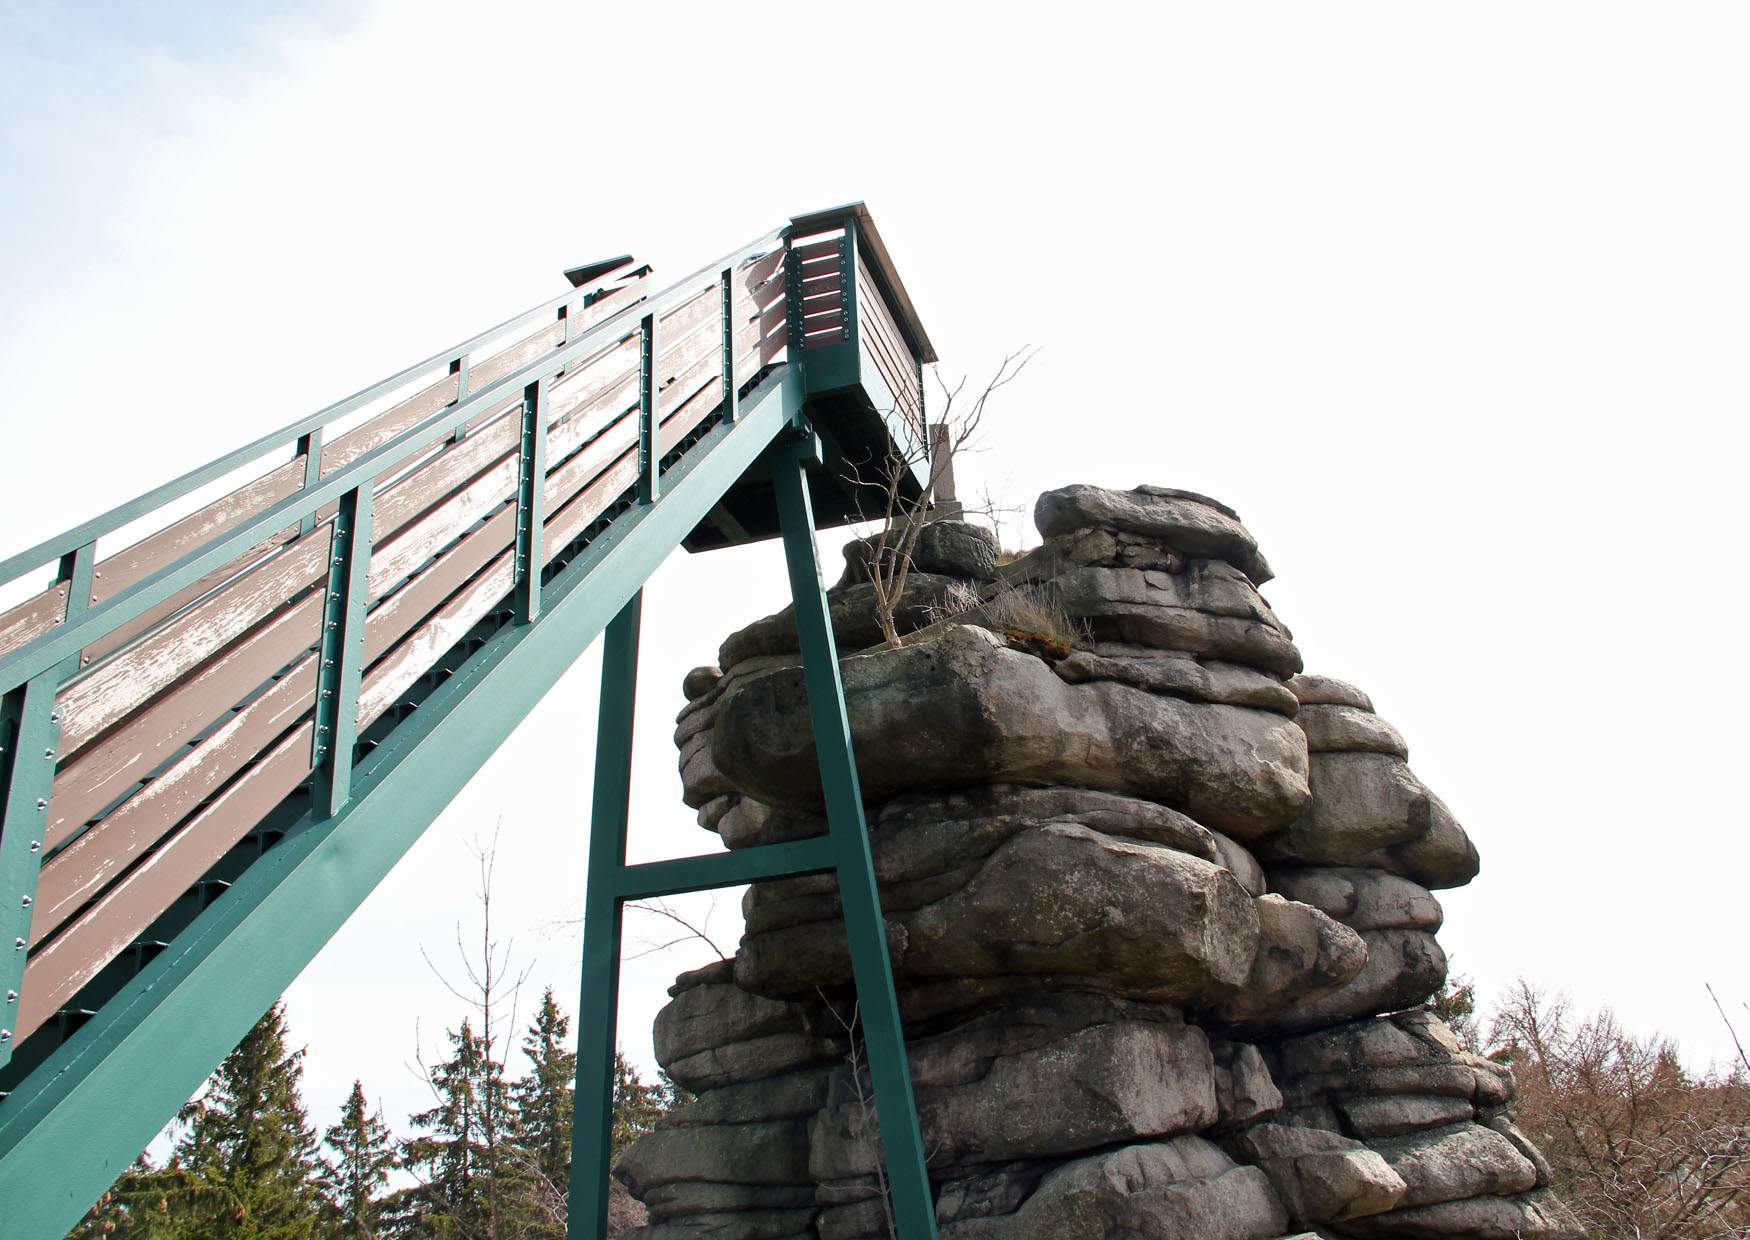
<point x="843" y="851"/>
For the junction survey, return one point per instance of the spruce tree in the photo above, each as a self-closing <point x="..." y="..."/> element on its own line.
<point x="459" y="1157"/>
<point x="245" y="1167"/>
<point x="543" y="1096"/>
<point x="637" y="1104"/>
<point x="143" y="1204"/>
<point x="363" y="1158"/>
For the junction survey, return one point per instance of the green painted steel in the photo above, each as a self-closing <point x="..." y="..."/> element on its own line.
<point x="649" y="418"/>
<point x="908" y="1182"/>
<point x="732" y="869"/>
<point x="848" y="280"/>
<point x="90" y="531"/>
<point x="531" y="501"/>
<point x="844" y="851"/>
<point x="459" y="367"/>
<point x="340" y="667"/>
<point x="310" y="450"/>
<point x="599" y="1005"/>
<point x="81" y="1117"/>
<point x="30" y="733"/>
<point x="731" y="386"/>
<point x="46" y="651"/>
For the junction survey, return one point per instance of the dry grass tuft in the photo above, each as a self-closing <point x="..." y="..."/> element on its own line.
<point x="1032" y="617"/>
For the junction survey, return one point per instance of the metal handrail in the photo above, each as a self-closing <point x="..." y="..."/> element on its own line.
<point x="48" y="650"/>
<point x="51" y="549"/>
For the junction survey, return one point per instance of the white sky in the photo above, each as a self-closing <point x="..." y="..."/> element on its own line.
<point x="1449" y="302"/>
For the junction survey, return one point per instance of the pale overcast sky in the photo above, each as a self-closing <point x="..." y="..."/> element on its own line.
<point x="1449" y="301"/>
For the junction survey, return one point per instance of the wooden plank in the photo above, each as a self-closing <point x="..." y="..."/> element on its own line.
<point x="815" y="251"/>
<point x="149" y="737"/>
<point x="824" y="303"/>
<point x="899" y="381"/>
<point x="75" y="874"/>
<point x="128" y="566"/>
<point x="72" y="958"/>
<point x="410" y="529"/>
<point x="114" y="920"/>
<point x="56" y="972"/>
<point x="889" y="350"/>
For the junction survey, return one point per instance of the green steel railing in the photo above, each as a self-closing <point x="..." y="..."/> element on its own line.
<point x="143" y="1042"/>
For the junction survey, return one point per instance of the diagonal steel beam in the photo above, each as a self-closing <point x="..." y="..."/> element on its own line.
<point x="81" y="1117"/>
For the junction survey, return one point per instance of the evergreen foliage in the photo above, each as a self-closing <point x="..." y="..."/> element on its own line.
<point x="489" y="1160"/>
<point x="363" y="1158"/>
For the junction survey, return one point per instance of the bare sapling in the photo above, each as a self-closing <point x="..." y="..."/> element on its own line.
<point x="901" y="516"/>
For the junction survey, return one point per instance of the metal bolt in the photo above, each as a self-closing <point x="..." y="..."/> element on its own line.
<point x="54" y="716"/>
<point x="18" y="945"/>
<point x="26" y="903"/>
<point x="36" y="845"/>
<point x="5" y="1035"/>
<point x="48" y="753"/>
<point x="12" y="996"/>
<point x="41" y="803"/>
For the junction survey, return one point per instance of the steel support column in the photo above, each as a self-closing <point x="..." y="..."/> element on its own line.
<point x="865" y="929"/>
<point x="599" y="1001"/>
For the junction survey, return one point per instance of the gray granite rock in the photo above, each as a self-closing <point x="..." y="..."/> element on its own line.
<point x="1320" y="1177"/>
<point x="961" y="710"/>
<point x="1160" y="888"/>
<point x="1183" y="1187"/>
<point x="1182" y="520"/>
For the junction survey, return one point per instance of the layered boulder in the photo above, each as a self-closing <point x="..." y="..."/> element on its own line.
<point x="1159" y="906"/>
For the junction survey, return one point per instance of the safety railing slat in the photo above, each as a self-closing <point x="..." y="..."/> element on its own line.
<point x="178" y="825"/>
<point x="127" y="566"/>
<point x="42" y="652"/>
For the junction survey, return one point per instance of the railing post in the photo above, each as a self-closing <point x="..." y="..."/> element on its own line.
<point x="848" y="280"/>
<point x="792" y="303"/>
<point x="459" y="369"/>
<point x="865" y="929"/>
<point x="649" y="421"/>
<point x="30" y="734"/>
<point x="339" y="667"/>
<point x="731" y="386"/>
<point x="310" y="450"/>
<point x="599" y="1002"/>
<point x="531" y="502"/>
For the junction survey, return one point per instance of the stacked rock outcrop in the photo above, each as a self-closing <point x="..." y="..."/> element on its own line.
<point x="1159" y="906"/>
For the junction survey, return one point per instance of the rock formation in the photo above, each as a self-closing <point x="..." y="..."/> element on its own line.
<point x="1159" y="907"/>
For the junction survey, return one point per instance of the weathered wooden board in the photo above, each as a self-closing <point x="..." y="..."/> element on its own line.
<point x="409" y="529"/>
<point x="129" y="565"/>
<point x="103" y="888"/>
<point x="817" y="251"/>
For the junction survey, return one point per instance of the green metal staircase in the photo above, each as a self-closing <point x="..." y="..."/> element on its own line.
<point x="217" y="739"/>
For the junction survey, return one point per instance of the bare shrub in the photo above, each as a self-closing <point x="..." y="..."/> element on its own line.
<point x="901" y="518"/>
<point x="1639" y="1146"/>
